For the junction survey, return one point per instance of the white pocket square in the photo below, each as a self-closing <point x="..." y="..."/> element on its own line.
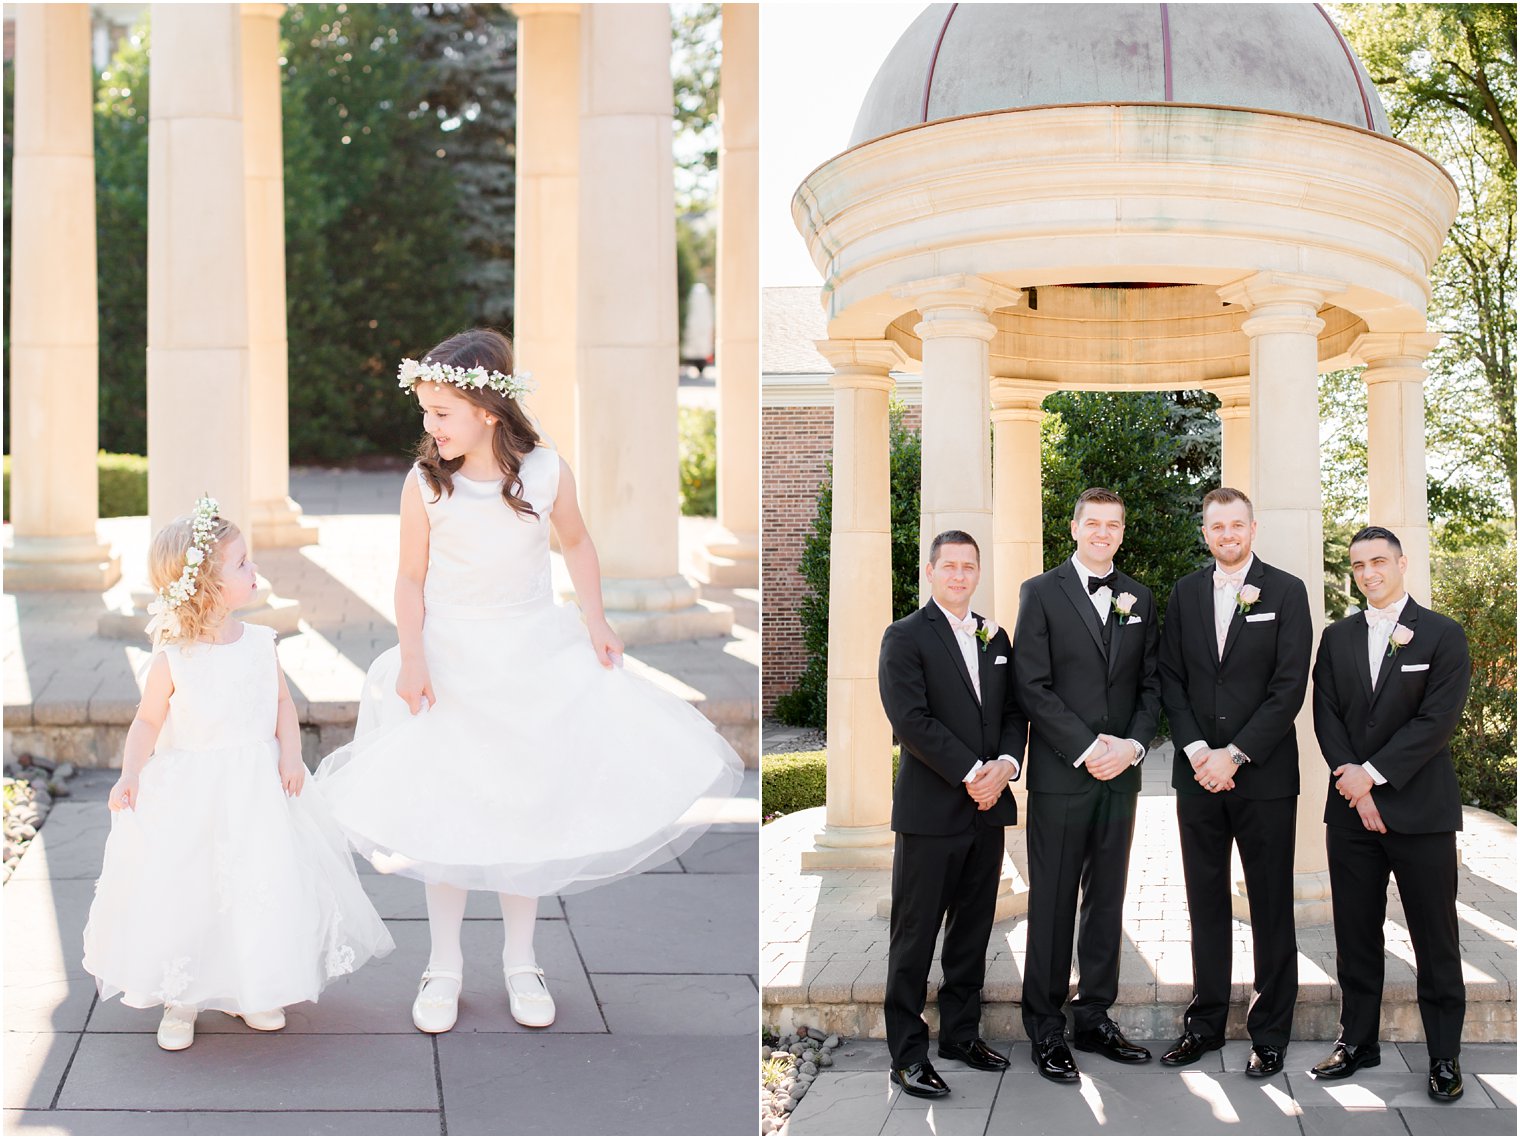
<point x="1414" y="667"/>
<point x="1134" y="620"/>
<point x="1000" y="660"/>
<point x="1261" y="616"/>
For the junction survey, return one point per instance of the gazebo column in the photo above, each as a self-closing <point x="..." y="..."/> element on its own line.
<point x="1235" y="434"/>
<point x="1017" y="529"/>
<point x="1395" y="379"/>
<point x="548" y="166"/>
<point x="626" y="442"/>
<point x="55" y="338"/>
<point x="275" y="518"/>
<point x="857" y="830"/>
<point x="1283" y="327"/>
<point x="956" y="477"/>
<point x="731" y="555"/>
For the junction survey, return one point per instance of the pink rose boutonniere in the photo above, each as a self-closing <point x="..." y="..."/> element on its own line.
<point x="1124" y="604"/>
<point x="985" y="634"/>
<point x="1401" y="636"/>
<point x="1248" y="596"/>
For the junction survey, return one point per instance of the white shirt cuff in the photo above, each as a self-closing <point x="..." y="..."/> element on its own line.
<point x="1081" y="759"/>
<point x="1015" y="763"/>
<point x="1377" y="777"/>
<point x="1139" y="752"/>
<point x="1192" y="749"/>
<point x="970" y="775"/>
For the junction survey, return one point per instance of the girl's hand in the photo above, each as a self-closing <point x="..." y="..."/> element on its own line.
<point x="608" y="645"/>
<point x="124" y="794"/>
<point x="292" y="774"/>
<point x="415" y="685"/>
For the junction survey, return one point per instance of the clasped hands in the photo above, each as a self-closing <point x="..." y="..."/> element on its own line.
<point x="1113" y="756"/>
<point x="988" y="783"/>
<point x="1354" y="785"/>
<point x="1213" y="769"/>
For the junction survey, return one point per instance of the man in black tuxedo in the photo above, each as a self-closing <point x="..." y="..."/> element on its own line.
<point x="947" y="688"/>
<point x="1084" y="658"/>
<point x="1234" y="669"/>
<point x="1389" y="687"/>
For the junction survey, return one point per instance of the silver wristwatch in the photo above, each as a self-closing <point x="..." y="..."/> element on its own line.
<point x="1236" y="754"/>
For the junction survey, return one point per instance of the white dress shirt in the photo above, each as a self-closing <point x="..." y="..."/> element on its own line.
<point x="965" y="639"/>
<point x="1102" y="602"/>
<point x="1380" y="626"/>
<point x="1225" y="598"/>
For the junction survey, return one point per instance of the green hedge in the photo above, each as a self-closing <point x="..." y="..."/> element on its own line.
<point x="796" y="780"/>
<point x="698" y="428"/>
<point x="123" y="485"/>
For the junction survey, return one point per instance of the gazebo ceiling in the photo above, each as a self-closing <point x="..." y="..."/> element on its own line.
<point x="962" y="59"/>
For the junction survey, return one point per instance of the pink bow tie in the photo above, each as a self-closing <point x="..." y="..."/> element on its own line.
<point x="963" y="625"/>
<point x="1391" y="613"/>
<point x="1223" y="579"/>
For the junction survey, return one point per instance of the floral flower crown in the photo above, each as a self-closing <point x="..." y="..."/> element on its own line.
<point x="513" y="386"/>
<point x="181" y="589"/>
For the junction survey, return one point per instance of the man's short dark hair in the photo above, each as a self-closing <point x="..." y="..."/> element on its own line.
<point x="1227" y="494"/>
<point x="1373" y="533"/>
<point x="953" y="538"/>
<point x="1096" y="494"/>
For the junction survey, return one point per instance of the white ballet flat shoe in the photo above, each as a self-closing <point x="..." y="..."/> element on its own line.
<point x="271" y="1021"/>
<point x="532" y="1006"/>
<point x="175" y="1031"/>
<point x="432" y="1013"/>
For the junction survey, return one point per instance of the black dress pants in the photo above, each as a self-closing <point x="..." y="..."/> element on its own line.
<point x="939" y="879"/>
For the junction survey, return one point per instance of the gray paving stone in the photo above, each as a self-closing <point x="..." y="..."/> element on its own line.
<point x="221" y="1123"/>
<point x="645" y="1004"/>
<point x="867" y="1056"/>
<point x="667" y="923"/>
<point x="1499" y="1086"/>
<point x="46" y="1002"/>
<point x="723" y="852"/>
<point x="44" y="926"/>
<point x="1439" y="1119"/>
<point x="1188" y="1103"/>
<point x="128" y="1071"/>
<point x="1338" y="1121"/>
<point x="851" y="1103"/>
<point x="34" y="1065"/>
<point x="598" y="1085"/>
<point x="1375" y="1089"/>
<point x="926" y="1118"/>
<point x="69" y="845"/>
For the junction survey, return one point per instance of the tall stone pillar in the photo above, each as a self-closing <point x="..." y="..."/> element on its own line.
<point x="732" y="553"/>
<point x="548" y="164"/>
<point x="1235" y="434"/>
<point x="1395" y="379"/>
<point x="274" y="516"/>
<point x="957" y="444"/>
<point x="55" y="337"/>
<point x="857" y="830"/>
<point x="626" y="440"/>
<point x="1285" y="479"/>
<point x="1018" y="540"/>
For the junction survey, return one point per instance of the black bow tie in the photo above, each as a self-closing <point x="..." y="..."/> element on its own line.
<point x="1096" y="583"/>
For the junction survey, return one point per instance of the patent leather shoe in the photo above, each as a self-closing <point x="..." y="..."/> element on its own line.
<point x="1190" y="1048"/>
<point x="1265" y="1061"/>
<point x="1347" y="1059"/>
<point x="1108" y="1041"/>
<point x="1053" y="1060"/>
<point x="1445" y="1080"/>
<point x="920" y="1080"/>
<point x="974" y="1054"/>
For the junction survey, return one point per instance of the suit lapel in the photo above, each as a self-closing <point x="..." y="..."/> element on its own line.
<point x="1237" y="622"/>
<point x="1359" y="660"/>
<point x="1076" y="593"/>
<point x="1387" y="662"/>
<point x="1206" y="612"/>
<point x="947" y="638"/>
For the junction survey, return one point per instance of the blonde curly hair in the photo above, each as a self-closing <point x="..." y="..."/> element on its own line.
<point x="166" y="561"/>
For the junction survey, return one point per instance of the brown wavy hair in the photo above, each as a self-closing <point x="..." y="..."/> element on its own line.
<point x="514" y="435"/>
<point x="166" y="561"/>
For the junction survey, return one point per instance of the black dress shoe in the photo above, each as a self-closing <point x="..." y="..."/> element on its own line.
<point x="920" y="1079"/>
<point x="1445" y="1080"/>
<point x="974" y="1054"/>
<point x="1190" y="1048"/>
<point x="1265" y="1061"/>
<point x="1053" y="1059"/>
<point x="1107" y="1040"/>
<point x="1346" y="1059"/>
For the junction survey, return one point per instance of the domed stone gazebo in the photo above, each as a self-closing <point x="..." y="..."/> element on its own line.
<point x="1117" y="198"/>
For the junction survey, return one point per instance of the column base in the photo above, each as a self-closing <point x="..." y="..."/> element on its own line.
<point x="728" y="559"/>
<point x="1311" y="899"/>
<point x="278" y="523"/>
<point x="656" y="610"/>
<point x="81" y="562"/>
<point x="129" y="622"/>
<point x="850" y="848"/>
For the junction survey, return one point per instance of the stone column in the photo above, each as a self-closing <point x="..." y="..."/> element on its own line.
<point x="626" y="444"/>
<point x="957" y="445"/>
<point x="1285" y="479"/>
<point x="1235" y="434"/>
<point x="857" y="830"/>
<point x="548" y="164"/>
<point x="274" y="516"/>
<point x="1395" y="379"/>
<point x="732" y="552"/>
<point x="1018" y="520"/>
<point x="55" y="337"/>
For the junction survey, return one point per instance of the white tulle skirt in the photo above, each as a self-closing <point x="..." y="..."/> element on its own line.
<point x="537" y="772"/>
<point x="222" y="892"/>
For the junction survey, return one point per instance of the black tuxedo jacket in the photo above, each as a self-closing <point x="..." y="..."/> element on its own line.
<point x="1404" y="727"/>
<point x="1249" y="696"/>
<point x="1071" y="688"/>
<point x="943" y="729"/>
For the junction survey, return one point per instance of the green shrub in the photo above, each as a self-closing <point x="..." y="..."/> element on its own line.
<point x="123" y="485"/>
<point x="796" y="780"/>
<point x="1477" y="589"/>
<point x="699" y="461"/>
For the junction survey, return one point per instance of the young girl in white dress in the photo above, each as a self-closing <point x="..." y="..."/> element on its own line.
<point x="548" y="768"/>
<point x="224" y="886"/>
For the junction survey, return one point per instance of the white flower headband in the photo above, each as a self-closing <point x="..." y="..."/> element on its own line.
<point x="514" y="386"/>
<point x="164" y="608"/>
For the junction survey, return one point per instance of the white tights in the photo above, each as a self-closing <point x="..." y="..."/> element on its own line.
<point x="445" y="908"/>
